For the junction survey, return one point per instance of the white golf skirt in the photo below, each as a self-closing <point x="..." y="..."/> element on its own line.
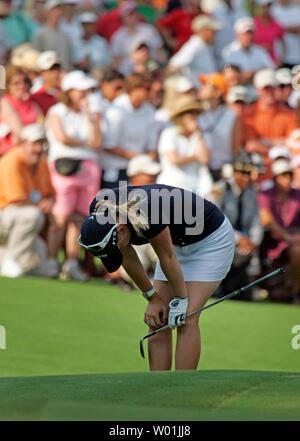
<point x="206" y="261"/>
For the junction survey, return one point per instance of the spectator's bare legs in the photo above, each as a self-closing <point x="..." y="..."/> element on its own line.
<point x="56" y="235"/>
<point x="73" y="232"/>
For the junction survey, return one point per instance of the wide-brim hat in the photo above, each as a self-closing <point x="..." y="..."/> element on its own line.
<point x="186" y="104"/>
<point x="101" y="241"/>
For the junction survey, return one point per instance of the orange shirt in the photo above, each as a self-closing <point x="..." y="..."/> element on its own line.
<point x="276" y="123"/>
<point x="17" y="180"/>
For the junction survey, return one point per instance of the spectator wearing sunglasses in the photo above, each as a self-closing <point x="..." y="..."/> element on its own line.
<point x="26" y="197"/>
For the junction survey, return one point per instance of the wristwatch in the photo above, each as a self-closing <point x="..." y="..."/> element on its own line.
<point x="149" y="293"/>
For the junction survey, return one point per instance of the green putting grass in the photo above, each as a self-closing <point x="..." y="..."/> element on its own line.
<point x="161" y="396"/>
<point x="72" y="352"/>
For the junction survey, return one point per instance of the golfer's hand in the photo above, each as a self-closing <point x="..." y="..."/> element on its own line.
<point x="156" y="314"/>
<point x="178" y="307"/>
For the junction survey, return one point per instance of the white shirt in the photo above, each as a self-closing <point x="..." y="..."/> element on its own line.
<point x="217" y="131"/>
<point x="251" y="60"/>
<point x="192" y="176"/>
<point x="72" y="28"/>
<point x="95" y="49"/>
<point x="227" y="17"/>
<point x="75" y="124"/>
<point x="122" y="42"/>
<point x="130" y="129"/>
<point x="195" y="57"/>
<point x="289" y="16"/>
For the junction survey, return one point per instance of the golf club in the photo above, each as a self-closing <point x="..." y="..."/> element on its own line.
<point x="228" y="296"/>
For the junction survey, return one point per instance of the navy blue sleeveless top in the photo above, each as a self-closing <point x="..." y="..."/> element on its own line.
<point x="190" y="217"/>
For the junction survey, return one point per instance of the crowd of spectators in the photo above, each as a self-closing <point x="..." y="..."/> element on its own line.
<point x="199" y="94"/>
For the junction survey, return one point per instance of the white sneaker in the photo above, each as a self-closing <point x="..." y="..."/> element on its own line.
<point x="11" y="268"/>
<point x="72" y="271"/>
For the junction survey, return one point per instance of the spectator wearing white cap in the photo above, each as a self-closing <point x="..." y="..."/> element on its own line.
<point x="74" y="144"/>
<point x="287" y="13"/>
<point x="196" y="56"/>
<point x="267" y="122"/>
<point x="50" y="67"/>
<point x="50" y="37"/>
<point x="131" y="32"/>
<point x="69" y="23"/>
<point x="226" y="13"/>
<point x="242" y="52"/>
<point x="280" y="215"/>
<point x="284" y="87"/>
<point x="26" y="197"/>
<point x="237" y="99"/>
<point x="88" y="49"/>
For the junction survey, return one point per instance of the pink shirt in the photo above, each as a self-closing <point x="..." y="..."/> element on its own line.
<point x="267" y="33"/>
<point x="28" y="114"/>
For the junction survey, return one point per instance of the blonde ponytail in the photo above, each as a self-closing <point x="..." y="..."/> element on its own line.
<point x="125" y="212"/>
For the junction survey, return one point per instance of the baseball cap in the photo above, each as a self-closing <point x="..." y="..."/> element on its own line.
<point x="217" y="79"/>
<point x="280" y="167"/>
<point x="284" y="75"/>
<point x="78" y="80"/>
<point x="204" y="21"/>
<point x="127" y="8"/>
<point x="264" y="78"/>
<point x="47" y="60"/>
<point x="143" y="164"/>
<point x="244" y="24"/>
<point x="184" y="84"/>
<point x="279" y="151"/>
<point x="88" y="17"/>
<point x="237" y="93"/>
<point x="101" y="241"/>
<point x="242" y="162"/>
<point x="50" y="4"/>
<point x="33" y="132"/>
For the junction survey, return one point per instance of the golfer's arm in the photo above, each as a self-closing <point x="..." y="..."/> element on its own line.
<point x="134" y="268"/>
<point x="162" y="245"/>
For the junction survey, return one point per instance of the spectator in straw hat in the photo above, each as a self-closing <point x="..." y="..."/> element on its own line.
<point x="183" y="154"/>
<point x="196" y="56"/>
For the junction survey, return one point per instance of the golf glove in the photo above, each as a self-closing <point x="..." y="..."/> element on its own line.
<point x="177" y="312"/>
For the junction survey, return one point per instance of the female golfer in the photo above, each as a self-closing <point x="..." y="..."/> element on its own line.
<point x="194" y="243"/>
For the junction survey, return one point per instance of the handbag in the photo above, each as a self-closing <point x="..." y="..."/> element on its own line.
<point x="67" y="166"/>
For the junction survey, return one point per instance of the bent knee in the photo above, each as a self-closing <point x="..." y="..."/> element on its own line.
<point x="32" y="217"/>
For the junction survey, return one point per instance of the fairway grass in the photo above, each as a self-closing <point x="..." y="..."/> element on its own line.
<point x="159" y="396"/>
